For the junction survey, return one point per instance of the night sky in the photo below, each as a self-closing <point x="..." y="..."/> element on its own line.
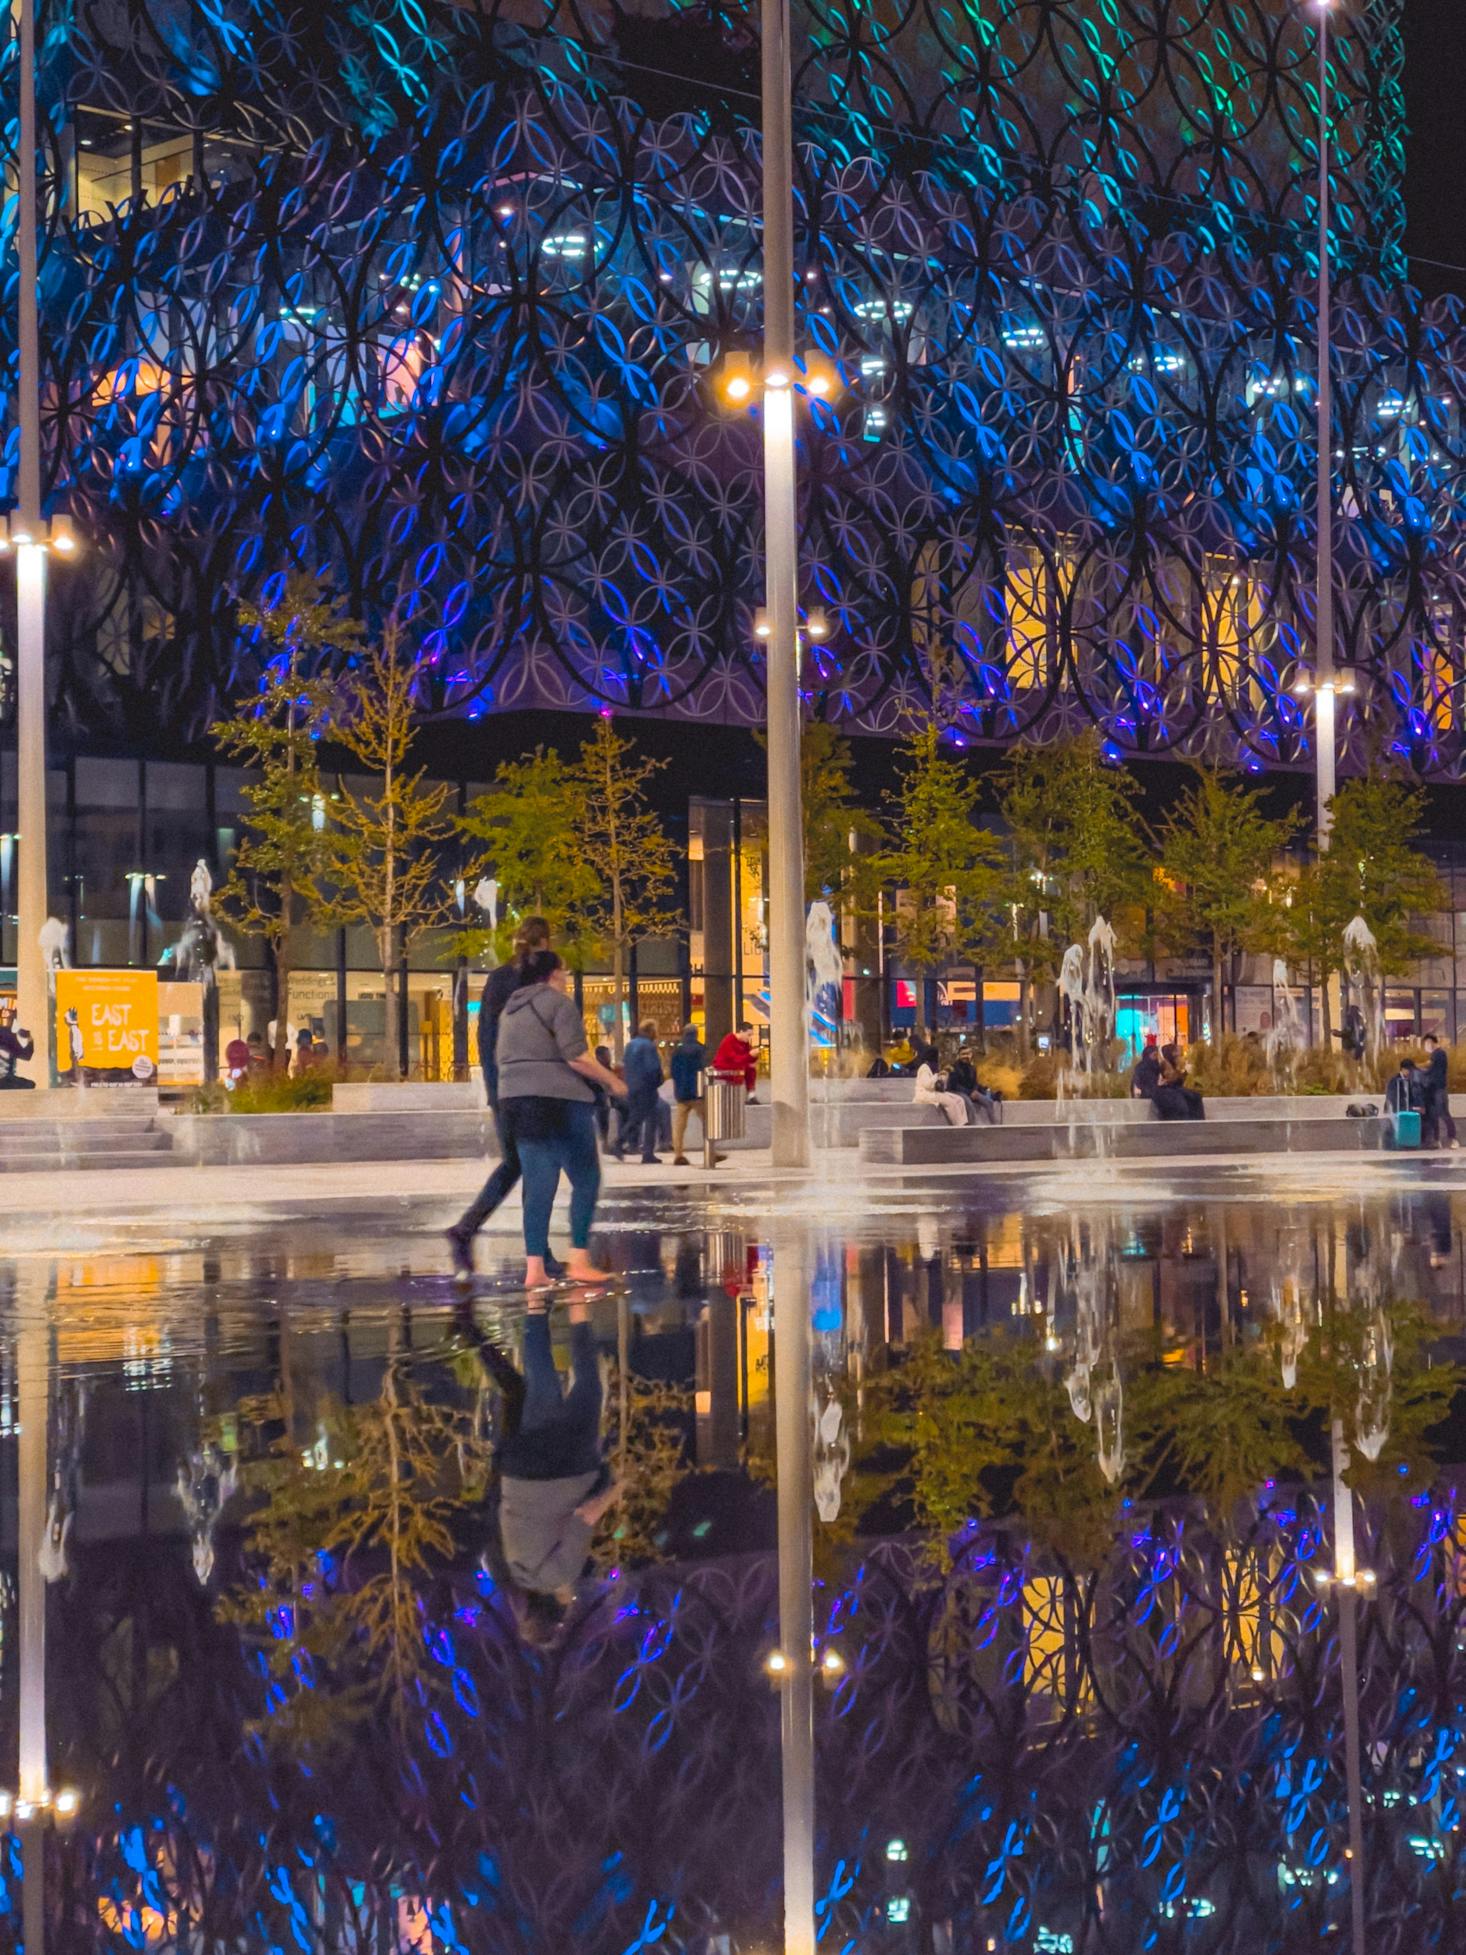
<point x="1435" y="179"/>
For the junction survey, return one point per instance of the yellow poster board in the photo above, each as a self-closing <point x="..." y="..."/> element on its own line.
<point x="117" y="1018"/>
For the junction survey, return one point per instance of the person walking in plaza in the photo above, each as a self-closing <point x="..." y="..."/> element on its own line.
<point x="642" y="1066"/>
<point x="547" y="1109"/>
<point x="533" y="935"/>
<point x="689" y="1064"/>
<point x="603" y="1099"/>
<point x="1437" y="1125"/>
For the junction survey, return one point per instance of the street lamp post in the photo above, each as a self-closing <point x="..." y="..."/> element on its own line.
<point x="1325" y="683"/>
<point x="27" y="533"/>
<point x="789" y="1060"/>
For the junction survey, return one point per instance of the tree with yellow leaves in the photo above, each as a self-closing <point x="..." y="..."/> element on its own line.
<point x="628" y="853"/>
<point x="383" y="856"/>
<point x="272" y="890"/>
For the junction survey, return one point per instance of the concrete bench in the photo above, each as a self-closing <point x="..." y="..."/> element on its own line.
<point x="218" y="1139"/>
<point x="408" y="1096"/>
<point x="1121" y="1140"/>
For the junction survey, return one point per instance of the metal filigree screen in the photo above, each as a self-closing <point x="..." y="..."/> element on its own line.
<point x="427" y="299"/>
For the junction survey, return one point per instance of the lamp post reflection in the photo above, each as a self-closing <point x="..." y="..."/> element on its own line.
<point x="36" y="1806"/>
<point x="795" y="1676"/>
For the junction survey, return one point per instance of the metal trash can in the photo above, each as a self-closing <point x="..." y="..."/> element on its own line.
<point x="727" y="1102"/>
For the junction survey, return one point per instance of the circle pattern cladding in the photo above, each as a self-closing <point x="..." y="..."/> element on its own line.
<point x="435" y="308"/>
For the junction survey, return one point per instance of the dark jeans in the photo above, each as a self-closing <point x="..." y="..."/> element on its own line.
<point x="552" y="1433"/>
<point x="639" y="1122"/>
<point x="1179" y="1103"/>
<point x="573" y="1150"/>
<point x="1436" y="1115"/>
<point x="499" y="1183"/>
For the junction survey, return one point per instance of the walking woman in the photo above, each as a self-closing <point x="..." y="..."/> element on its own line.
<point x="532" y="935"/>
<point x="547" y="1104"/>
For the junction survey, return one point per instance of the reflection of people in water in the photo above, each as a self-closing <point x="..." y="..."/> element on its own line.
<point x="1437" y="1209"/>
<point x="554" y="1484"/>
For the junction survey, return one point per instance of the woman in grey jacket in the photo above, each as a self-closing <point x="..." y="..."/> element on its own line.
<point x="548" y="1105"/>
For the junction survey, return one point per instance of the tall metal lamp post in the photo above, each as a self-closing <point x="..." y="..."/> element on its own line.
<point x="789" y="1058"/>
<point x="33" y="537"/>
<point x="1325" y="684"/>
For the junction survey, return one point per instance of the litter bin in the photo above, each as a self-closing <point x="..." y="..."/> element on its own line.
<point x="727" y="1102"/>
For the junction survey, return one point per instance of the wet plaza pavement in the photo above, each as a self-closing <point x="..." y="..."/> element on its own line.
<point x="1088" y="1678"/>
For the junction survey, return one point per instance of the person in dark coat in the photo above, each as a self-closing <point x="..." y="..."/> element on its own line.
<point x="642" y="1067"/>
<point x="1437" y="1126"/>
<point x="689" y="1063"/>
<point x="533" y="935"/>
<point x="1146" y="1076"/>
<point x="1174" y="1099"/>
<point x="962" y="1078"/>
<point x="1405" y="1092"/>
<point x="16" y="1046"/>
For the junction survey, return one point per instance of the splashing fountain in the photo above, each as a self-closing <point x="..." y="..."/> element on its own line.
<point x="1087" y="1007"/>
<point x="1366" y="984"/>
<point x="824" y="983"/>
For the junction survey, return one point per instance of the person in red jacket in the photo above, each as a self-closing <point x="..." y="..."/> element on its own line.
<point x="734" y="1058"/>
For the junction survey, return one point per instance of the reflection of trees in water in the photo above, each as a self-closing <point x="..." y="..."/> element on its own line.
<point x="951" y="1438"/>
<point x="338" y="1543"/>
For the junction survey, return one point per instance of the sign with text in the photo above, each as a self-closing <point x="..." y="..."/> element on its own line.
<point x="114" y="1033"/>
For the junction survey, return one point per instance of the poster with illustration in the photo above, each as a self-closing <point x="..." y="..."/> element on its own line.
<point x="107" y="1027"/>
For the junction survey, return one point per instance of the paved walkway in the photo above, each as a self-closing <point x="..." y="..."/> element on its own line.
<point x="194" y="1194"/>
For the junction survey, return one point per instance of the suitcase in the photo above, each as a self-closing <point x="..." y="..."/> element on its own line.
<point x="1407" y="1127"/>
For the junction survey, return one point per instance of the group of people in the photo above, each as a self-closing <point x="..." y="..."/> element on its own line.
<point x="551" y="1099"/>
<point x="1425" y="1090"/>
<point x="1159" y="1075"/>
<point x="957" y="1092"/>
<point x="660" y="1103"/>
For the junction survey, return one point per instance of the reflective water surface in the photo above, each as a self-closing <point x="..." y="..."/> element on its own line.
<point x="1083" y="1452"/>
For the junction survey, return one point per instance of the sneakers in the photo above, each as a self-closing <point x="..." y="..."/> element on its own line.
<point x="460" y="1251"/>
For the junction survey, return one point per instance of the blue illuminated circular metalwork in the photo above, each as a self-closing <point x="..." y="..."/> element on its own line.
<point x="426" y="299"/>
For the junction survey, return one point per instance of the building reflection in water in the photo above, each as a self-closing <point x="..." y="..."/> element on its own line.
<point x="1199" y="1695"/>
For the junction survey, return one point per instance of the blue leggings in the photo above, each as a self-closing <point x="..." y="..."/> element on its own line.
<point x="574" y="1150"/>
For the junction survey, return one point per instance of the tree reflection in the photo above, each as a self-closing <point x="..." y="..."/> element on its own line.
<point x="341" y="1542"/>
<point x="991" y="1432"/>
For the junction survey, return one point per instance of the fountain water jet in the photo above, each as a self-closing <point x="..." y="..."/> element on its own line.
<point x="824" y="987"/>
<point x="1365" y="980"/>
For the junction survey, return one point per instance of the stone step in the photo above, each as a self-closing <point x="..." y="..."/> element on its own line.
<point x="100" y="1138"/>
<point x="47" y="1161"/>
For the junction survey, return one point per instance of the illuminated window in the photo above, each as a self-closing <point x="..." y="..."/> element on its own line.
<point x="1030" y="620"/>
